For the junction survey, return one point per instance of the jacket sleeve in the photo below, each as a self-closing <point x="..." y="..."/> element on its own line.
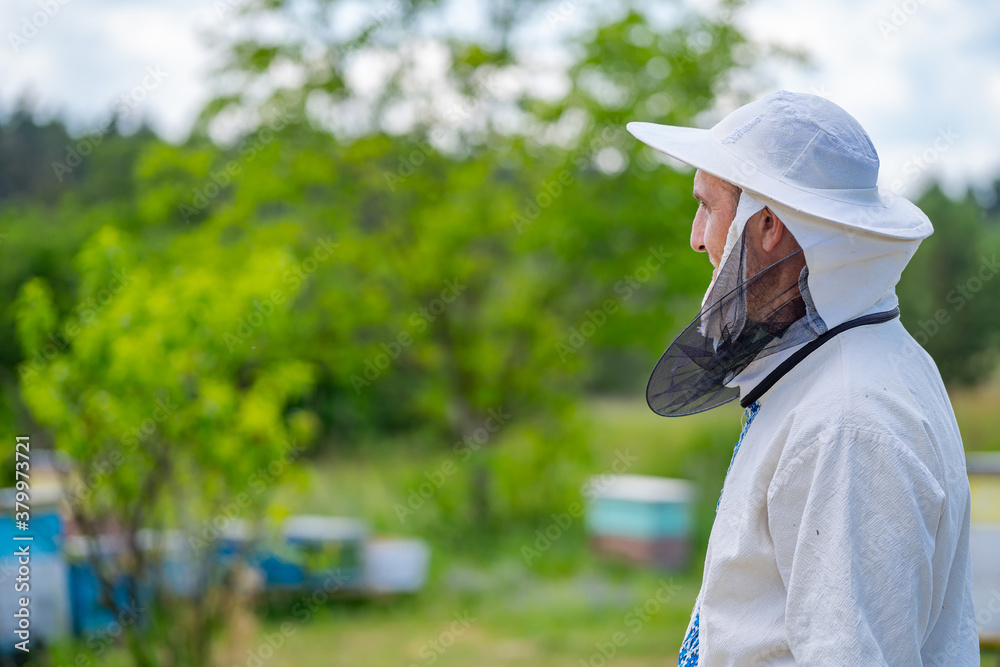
<point x="853" y="517"/>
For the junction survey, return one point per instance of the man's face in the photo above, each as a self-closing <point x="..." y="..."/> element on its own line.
<point x="717" y="202"/>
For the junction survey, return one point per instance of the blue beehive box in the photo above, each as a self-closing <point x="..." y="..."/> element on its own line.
<point x="274" y="563"/>
<point x="48" y="577"/>
<point x="643" y="519"/>
<point x="171" y="570"/>
<point x="309" y="552"/>
<point x="89" y="611"/>
<point x="242" y="539"/>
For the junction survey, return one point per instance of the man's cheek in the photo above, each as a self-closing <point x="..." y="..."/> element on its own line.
<point x="716" y="236"/>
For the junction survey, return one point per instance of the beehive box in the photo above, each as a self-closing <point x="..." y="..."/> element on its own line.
<point x="306" y="552"/>
<point x="174" y="565"/>
<point x="328" y="550"/>
<point x="90" y="613"/>
<point x="48" y="578"/>
<point x="985" y="547"/>
<point x="643" y="519"/>
<point x="395" y="565"/>
<point x="984" y="485"/>
<point x="262" y="549"/>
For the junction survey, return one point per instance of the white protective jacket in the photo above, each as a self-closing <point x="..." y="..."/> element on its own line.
<point x="842" y="535"/>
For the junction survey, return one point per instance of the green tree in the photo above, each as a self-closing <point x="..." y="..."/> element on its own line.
<point x="947" y="298"/>
<point x="165" y="420"/>
<point x="475" y="248"/>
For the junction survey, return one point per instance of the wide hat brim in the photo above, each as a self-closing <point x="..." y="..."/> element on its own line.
<point x="865" y="209"/>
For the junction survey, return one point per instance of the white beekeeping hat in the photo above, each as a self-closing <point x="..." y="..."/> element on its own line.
<point x="813" y="165"/>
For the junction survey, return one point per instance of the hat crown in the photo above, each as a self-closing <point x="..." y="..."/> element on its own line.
<point x="802" y="139"/>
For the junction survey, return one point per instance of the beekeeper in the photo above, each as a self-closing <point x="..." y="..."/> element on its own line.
<point x="842" y="533"/>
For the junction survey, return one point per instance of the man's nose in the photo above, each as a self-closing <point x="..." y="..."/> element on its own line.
<point x="698" y="233"/>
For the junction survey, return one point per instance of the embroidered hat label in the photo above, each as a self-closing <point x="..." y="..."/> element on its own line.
<point x="735" y="135"/>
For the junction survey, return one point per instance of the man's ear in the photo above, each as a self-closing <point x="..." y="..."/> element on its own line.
<point x="771" y="230"/>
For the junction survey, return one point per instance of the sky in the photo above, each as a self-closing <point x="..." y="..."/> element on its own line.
<point x="922" y="76"/>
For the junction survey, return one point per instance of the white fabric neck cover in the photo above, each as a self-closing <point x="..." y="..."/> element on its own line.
<point x="850" y="273"/>
<point x="745" y="209"/>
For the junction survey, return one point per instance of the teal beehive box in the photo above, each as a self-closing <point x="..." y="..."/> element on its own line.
<point x="329" y="550"/>
<point x="640" y="518"/>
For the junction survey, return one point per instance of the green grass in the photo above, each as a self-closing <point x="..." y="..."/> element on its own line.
<point x="519" y="618"/>
<point x="978" y="418"/>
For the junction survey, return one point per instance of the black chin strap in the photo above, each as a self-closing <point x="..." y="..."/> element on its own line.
<point x="810" y="347"/>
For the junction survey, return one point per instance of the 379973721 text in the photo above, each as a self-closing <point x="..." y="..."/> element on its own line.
<point x="22" y="543"/>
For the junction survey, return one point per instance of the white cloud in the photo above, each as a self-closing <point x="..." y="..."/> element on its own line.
<point x="90" y="54"/>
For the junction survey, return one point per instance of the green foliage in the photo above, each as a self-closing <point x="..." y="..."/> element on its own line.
<point x="948" y="296"/>
<point x="526" y="238"/>
<point x="164" y="416"/>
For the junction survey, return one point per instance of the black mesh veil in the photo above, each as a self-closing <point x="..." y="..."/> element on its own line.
<point x="742" y="319"/>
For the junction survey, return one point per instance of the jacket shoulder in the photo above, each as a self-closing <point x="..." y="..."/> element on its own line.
<point x="874" y="379"/>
